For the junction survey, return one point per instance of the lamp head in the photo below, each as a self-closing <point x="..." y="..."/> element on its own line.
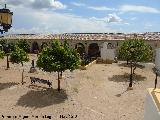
<point x="5" y="19"/>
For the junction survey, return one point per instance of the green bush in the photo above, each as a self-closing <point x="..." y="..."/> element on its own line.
<point x="18" y="56"/>
<point x="135" y="50"/>
<point x="23" y="44"/>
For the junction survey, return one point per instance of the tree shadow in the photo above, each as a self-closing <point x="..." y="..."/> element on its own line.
<point x="126" y="77"/>
<point x="154" y="70"/>
<point x="140" y="66"/>
<point x="120" y="94"/>
<point x="125" y="65"/>
<point x="40" y="99"/>
<point x="7" y="85"/>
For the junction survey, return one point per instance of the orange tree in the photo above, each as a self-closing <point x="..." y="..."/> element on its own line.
<point x="19" y="56"/>
<point x="58" y="58"/>
<point x="23" y="44"/>
<point x="135" y="50"/>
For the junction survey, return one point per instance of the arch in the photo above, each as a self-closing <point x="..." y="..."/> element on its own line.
<point x="93" y="50"/>
<point x="110" y="46"/>
<point x="44" y="44"/>
<point x="80" y="48"/>
<point x="35" y="47"/>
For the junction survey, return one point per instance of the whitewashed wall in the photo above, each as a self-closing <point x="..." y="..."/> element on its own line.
<point x="107" y="54"/>
<point x="157" y="59"/>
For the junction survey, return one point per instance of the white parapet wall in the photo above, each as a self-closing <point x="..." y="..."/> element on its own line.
<point x="152" y="105"/>
<point x="107" y="54"/>
<point x="157" y="59"/>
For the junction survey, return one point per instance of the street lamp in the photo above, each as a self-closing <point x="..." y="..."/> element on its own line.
<point x="5" y="19"/>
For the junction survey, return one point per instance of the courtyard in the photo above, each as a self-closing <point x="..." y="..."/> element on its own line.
<point x="98" y="93"/>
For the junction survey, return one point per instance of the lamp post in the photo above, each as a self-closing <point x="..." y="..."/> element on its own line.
<point x="5" y="19"/>
<point x="32" y="69"/>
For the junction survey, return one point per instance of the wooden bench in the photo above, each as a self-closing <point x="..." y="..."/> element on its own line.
<point x="34" y="80"/>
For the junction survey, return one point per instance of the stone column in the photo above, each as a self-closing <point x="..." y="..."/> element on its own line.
<point x="86" y="45"/>
<point x="100" y="45"/>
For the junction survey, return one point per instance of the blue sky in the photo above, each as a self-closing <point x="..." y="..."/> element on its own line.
<point x="61" y="16"/>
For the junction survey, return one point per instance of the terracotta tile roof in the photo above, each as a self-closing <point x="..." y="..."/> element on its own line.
<point x="86" y="36"/>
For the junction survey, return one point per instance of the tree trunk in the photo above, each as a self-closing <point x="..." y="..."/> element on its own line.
<point x="22" y="76"/>
<point x="127" y="61"/>
<point x="60" y="75"/>
<point x="131" y="77"/>
<point x="134" y="67"/>
<point x="22" y="73"/>
<point x="7" y="61"/>
<point x="58" y="83"/>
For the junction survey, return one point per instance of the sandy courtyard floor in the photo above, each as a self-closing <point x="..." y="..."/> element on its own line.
<point x="99" y="93"/>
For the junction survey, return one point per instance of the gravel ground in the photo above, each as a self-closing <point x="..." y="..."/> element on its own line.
<point x="99" y="93"/>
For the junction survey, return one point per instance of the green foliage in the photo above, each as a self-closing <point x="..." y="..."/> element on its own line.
<point x="72" y="60"/>
<point x="1" y="54"/>
<point x="44" y="45"/>
<point x="58" y="58"/>
<point x="18" y="56"/>
<point x="23" y="44"/>
<point x="136" y="50"/>
<point x="3" y="42"/>
<point x="11" y="46"/>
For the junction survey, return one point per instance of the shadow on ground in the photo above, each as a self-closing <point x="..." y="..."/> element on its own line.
<point x="40" y="99"/>
<point x="7" y="85"/>
<point x="154" y="70"/>
<point x="126" y="77"/>
<point x="120" y="94"/>
<point x="125" y="65"/>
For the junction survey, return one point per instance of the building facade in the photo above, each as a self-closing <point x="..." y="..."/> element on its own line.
<point x="89" y="43"/>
